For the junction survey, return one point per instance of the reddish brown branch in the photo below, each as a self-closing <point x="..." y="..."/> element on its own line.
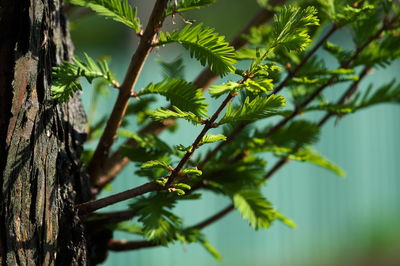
<point x="132" y="245"/>
<point x="117" y="162"/>
<point x="124" y="245"/>
<point x="101" y="153"/>
<point x="281" y="85"/>
<point x="91" y="206"/>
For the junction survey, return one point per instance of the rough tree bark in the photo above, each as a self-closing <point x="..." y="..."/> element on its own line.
<point x="40" y="142"/>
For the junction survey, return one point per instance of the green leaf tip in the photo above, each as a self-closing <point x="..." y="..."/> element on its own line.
<point x="254" y="208"/>
<point x="65" y="76"/>
<point x="250" y="110"/>
<point x="205" y="45"/>
<point x="186" y="5"/>
<point x="118" y="10"/>
<point x="212" y="138"/>
<point x="180" y="93"/>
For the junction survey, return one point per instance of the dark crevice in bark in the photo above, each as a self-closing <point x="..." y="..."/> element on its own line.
<point x="42" y="178"/>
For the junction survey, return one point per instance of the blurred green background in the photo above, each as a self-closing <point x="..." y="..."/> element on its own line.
<point x="351" y="221"/>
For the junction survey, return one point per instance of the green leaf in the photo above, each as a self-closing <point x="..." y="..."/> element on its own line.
<point x="258" y="108"/>
<point x="307" y="154"/>
<point x="186" y="5"/>
<point x="257" y="86"/>
<point x="159" y="223"/>
<point x="212" y="250"/>
<point x="181" y="93"/>
<point x="337" y="109"/>
<point x="128" y="227"/>
<point x="65" y="76"/>
<point x="254" y="208"/>
<point x="297" y="133"/>
<point x="183" y="186"/>
<point x="291" y="27"/>
<point x="192" y="172"/>
<point x="156" y="164"/>
<point x="163" y="113"/>
<point x="348" y="14"/>
<point x="205" y="45"/>
<point x="193" y="235"/>
<point x="217" y="90"/>
<point x="212" y="138"/>
<point x="387" y="93"/>
<point x="118" y="10"/>
<point x="231" y="176"/>
<point x="285" y="220"/>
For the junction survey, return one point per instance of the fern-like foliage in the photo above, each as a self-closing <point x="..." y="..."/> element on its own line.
<point x="212" y="138"/>
<point x="180" y="93"/>
<point x="118" y="10"/>
<point x="217" y="90"/>
<point x="65" y="76"/>
<point x="297" y="133"/>
<point x="159" y="223"/>
<point x="254" y="208"/>
<point x="163" y="114"/>
<point x="255" y="109"/>
<point x="291" y="27"/>
<point x="186" y="5"/>
<point x="205" y="45"/>
<point x="308" y="154"/>
<point x="387" y="93"/>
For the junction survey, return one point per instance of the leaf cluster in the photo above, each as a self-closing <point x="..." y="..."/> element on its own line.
<point x="205" y="45"/>
<point x="118" y="10"/>
<point x="65" y="76"/>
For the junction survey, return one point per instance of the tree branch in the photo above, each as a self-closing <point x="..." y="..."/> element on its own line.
<point x="91" y="206"/>
<point x="281" y="85"/>
<point x="278" y="165"/>
<point x="124" y="245"/>
<point x="117" y="162"/>
<point x="350" y="91"/>
<point x="101" y="153"/>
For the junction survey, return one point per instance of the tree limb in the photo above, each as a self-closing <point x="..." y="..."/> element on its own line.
<point x="101" y="153"/>
<point x="117" y="162"/>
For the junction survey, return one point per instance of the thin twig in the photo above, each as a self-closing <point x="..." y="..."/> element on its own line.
<point x="281" y="85"/>
<point x="209" y="125"/>
<point x="278" y="165"/>
<point x="282" y="161"/>
<point x="93" y="205"/>
<point x="117" y="162"/>
<point x="101" y="153"/>
<point x="123" y="245"/>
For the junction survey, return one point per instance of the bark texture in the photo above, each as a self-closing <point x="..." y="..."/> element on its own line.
<point x="40" y="141"/>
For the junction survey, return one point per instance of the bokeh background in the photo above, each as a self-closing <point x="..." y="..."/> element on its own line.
<point x="351" y="221"/>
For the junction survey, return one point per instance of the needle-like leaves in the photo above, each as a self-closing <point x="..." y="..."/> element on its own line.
<point x="180" y="93"/>
<point x="205" y="45"/>
<point x="162" y="114"/>
<point x="254" y="208"/>
<point x="118" y="10"/>
<point x="291" y="27"/>
<point x="258" y="108"/>
<point x="65" y="76"/>
<point x="186" y="5"/>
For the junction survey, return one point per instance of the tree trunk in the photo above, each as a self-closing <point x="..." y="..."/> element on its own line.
<point x="40" y="141"/>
